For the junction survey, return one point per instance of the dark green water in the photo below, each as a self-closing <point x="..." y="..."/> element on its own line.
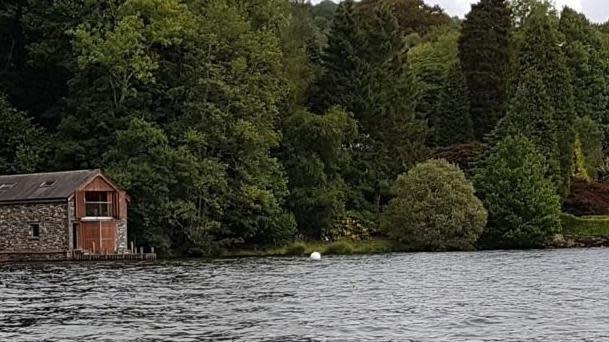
<point x="558" y="295"/>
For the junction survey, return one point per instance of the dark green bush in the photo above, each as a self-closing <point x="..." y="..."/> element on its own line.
<point x="522" y="202"/>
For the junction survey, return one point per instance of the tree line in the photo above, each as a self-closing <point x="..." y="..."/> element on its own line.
<point x="244" y="123"/>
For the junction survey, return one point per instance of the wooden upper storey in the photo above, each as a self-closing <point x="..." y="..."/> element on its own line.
<point x="100" y="198"/>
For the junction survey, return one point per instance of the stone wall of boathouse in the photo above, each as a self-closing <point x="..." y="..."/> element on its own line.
<point x="123" y="244"/>
<point x="17" y="240"/>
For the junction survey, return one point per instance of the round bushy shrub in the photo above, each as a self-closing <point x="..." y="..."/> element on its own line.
<point x="435" y="208"/>
<point x="523" y="205"/>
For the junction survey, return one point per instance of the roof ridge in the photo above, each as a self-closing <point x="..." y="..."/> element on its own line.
<point x="29" y="187"/>
<point x="49" y="173"/>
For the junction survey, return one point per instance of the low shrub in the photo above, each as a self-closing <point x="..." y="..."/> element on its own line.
<point x="339" y="248"/>
<point x="297" y="248"/>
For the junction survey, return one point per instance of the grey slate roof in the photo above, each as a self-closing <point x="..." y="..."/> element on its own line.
<point x="30" y="188"/>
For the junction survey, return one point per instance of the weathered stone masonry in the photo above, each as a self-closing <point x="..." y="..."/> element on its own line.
<point x="16" y="230"/>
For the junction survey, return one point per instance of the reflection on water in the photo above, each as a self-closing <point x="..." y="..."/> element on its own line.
<point x="485" y="296"/>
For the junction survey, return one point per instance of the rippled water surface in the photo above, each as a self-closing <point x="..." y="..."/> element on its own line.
<point x="486" y="296"/>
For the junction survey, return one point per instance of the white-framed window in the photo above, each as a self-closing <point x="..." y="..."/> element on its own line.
<point x="98" y="204"/>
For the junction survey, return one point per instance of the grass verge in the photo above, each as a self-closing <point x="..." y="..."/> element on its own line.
<point x="585" y="225"/>
<point x="342" y="247"/>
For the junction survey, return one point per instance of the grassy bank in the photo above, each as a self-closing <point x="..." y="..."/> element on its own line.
<point x="343" y="247"/>
<point x="586" y="225"/>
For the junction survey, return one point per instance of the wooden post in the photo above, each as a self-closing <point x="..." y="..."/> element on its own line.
<point x="100" y="237"/>
<point x="152" y="250"/>
<point x="132" y="250"/>
<point x="142" y="250"/>
<point x="93" y="247"/>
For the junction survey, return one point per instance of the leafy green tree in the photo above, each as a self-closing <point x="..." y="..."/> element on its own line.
<point x="22" y="144"/>
<point x="208" y="81"/>
<point x="444" y="99"/>
<point x="366" y="73"/>
<point x="314" y="154"/>
<point x="323" y="14"/>
<point x="523" y="207"/>
<point x="413" y="16"/>
<point x="485" y="52"/>
<point x="236" y="88"/>
<point x="435" y="208"/>
<point x="521" y="9"/>
<point x="115" y="78"/>
<point x="37" y="62"/>
<point x="176" y="197"/>
<point x="302" y="45"/>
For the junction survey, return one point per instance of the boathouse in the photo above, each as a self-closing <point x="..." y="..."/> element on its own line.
<point x="61" y="216"/>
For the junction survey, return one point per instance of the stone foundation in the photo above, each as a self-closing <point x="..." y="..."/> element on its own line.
<point x="33" y="256"/>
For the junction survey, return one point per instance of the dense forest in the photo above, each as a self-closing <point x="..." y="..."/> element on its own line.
<point x="245" y="123"/>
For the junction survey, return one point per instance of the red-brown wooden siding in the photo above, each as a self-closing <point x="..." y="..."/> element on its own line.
<point x="80" y="204"/>
<point x="99" y="184"/>
<point x="93" y="236"/>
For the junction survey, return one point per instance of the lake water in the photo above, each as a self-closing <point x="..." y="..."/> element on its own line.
<point x="555" y="295"/>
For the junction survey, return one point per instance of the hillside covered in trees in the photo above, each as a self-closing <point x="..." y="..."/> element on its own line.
<point x="239" y="123"/>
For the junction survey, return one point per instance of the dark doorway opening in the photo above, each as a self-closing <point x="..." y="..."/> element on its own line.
<point x="75" y="236"/>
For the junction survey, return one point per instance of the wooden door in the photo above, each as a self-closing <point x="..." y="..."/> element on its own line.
<point x="98" y="236"/>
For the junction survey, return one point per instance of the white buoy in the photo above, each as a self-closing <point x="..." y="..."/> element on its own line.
<point x="315" y="256"/>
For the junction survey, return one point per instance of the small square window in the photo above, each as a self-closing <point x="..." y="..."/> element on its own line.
<point x="35" y="230"/>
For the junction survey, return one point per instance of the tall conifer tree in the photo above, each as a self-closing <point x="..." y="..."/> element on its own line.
<point x="484" y="51"/>
<point x="452" y="122"/>
<point x="530" y="114"/>
<point x="342" y="63"/>
<point x="541" y="54"/>
<point x="588" y="62"/>
<point x="366" y="74"/>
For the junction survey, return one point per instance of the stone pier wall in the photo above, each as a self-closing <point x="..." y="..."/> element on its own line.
<point x="16" y="231"/>
<point x="122" y="235"/>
